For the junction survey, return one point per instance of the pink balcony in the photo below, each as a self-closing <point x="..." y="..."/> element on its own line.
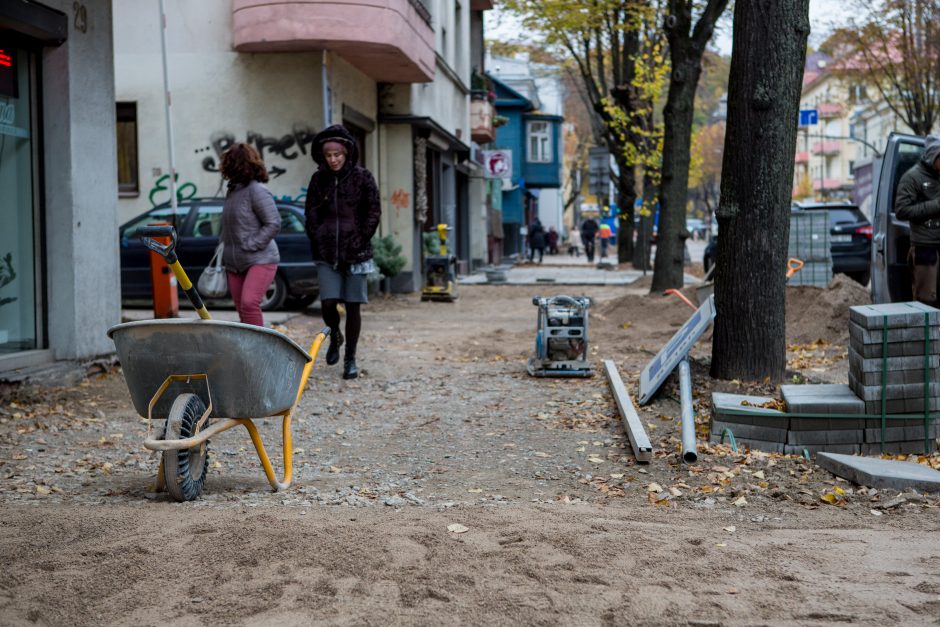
<point x="802" y="157"/>
<point x="827" y="148"/>
<point x="388" y="40"/>
<point x="826" y="185"/>
<point x="829" y="110"/>
<point x="481" y="121"/>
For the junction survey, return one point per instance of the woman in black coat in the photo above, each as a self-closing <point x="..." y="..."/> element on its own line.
<point x="342" y="214"/>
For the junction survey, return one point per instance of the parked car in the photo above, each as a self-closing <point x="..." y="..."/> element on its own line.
<point x="890" y="275"/>
<point x="850" y="235"/>
<point x="197" y="223"/>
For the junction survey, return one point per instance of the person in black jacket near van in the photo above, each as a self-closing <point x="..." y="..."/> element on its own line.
<point x="918" y="201"/>
<point x="342" y="214"/>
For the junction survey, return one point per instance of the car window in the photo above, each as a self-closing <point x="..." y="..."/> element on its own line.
<point x="841" y="215"/>
<point x="290" y="221"/>
<point x="160" y="215"/>
<point x="208" y="221"/>
<point x="908" y="156"/>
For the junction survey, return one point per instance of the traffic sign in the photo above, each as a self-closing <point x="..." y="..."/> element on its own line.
<point x="672" y="353"/>
<point x="809" y="117"/>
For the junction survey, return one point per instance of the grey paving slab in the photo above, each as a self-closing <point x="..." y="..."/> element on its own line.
<point x="895" y="448"/>
<point x="830" y="398"/>
<point x="859" y="335"/>
<point x="860" y="364"/>
<point x="833" y="435"/>
<point x="895" y="349"/>
<point x="903" y="390"/>
<point x="881" y="473"/>
<point x="902" y="406"/>
<point x="756" y="432"/>
<point x="813" y="449"/>
<point x="902" y="433"/>
<point x="723" y="403"/>
<point x="899" y="315"/>
<point x="898" y="377"/>
<point x="760" y="445"/>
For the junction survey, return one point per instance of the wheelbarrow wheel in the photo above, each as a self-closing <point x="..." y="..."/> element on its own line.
<point x="185" y="470"/>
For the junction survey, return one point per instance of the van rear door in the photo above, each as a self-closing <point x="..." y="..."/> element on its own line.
<point x="890" y="277"/>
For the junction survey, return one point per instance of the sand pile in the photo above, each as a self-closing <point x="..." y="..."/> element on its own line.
<point x="815" y="313"/>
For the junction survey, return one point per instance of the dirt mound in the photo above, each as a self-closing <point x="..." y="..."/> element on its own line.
<point x="815" y="313"/>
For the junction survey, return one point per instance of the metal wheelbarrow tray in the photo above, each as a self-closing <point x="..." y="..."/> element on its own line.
<point x="228" y="372"/>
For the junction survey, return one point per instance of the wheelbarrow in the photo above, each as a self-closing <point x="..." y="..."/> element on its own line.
<point x="194" y="379"/>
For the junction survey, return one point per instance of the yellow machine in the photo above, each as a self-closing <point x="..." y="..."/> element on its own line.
<point x="440" y="272"/>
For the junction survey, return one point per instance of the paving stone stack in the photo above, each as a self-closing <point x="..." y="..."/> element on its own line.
<point x="888" y="353"/>
<point x="810" y="243"/>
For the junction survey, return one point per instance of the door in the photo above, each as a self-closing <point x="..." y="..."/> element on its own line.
<point x="891" y="279"/>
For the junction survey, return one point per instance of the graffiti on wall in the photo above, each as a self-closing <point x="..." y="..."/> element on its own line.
<point x="160" y="192"/>
<point x="289" y="147"/>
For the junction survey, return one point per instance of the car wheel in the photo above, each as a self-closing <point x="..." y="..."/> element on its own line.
<point x="275" y="294"/>
<point x="301" y="302"/>
<point x="862" y="276"/>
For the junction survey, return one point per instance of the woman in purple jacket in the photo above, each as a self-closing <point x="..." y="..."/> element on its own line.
<point x="342" y="215"/>
<point x="250" y="221"/>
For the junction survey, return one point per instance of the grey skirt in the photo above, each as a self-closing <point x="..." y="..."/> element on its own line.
<point x="340" y="284"/>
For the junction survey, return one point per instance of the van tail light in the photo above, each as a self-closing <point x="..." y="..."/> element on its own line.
<point x="864" y="230"/>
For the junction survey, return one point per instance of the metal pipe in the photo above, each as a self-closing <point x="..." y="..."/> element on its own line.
<point x="169" y="104"/>
<point x="689" y="454"/>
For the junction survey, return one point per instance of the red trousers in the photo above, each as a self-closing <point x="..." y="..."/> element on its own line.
<point x="248" y="288"/>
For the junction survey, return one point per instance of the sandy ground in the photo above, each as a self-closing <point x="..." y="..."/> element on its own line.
<point x="557" y="523"/>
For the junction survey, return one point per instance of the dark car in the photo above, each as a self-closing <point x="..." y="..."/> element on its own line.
<point x="850" y="238"/>
<point x="197" y="223"/>
<point x="850" y="235"/>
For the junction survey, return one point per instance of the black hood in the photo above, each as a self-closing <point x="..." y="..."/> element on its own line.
<point x="335" y="133"/>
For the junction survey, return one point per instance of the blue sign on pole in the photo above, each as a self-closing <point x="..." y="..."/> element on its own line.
<point x="809" y="117"/>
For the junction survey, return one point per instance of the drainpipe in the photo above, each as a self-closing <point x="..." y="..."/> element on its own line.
<point x="169" y="104"/>
<point x="327" y="96"/>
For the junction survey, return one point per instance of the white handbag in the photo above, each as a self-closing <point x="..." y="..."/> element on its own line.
<point x="213" y="282"/>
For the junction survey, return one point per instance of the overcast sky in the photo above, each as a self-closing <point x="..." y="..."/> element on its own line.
<point x="822" y="14"/>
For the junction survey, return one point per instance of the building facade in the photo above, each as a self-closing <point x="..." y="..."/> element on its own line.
<point x="273" y="74"/>
<point x="59" y="271"/>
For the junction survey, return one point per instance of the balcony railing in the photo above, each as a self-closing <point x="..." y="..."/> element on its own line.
<point x="827" y="148"/>
<point x="481" y="118"/>
<point x="802" y="157"/>
<point x="390" y="41"/>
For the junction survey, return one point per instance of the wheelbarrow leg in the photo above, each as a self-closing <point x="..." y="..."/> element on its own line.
<point x="263" y="455"/>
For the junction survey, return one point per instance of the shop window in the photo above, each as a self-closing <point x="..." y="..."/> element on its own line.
<point x="540" y="142"/>
<point x="128" y="179"/>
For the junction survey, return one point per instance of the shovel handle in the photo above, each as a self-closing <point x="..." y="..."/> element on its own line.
<point x="146" y="235"/>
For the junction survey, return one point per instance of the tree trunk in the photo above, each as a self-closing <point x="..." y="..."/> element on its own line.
<point x="753" y="214"/>
<point x="686" y="47"/>
<point x="644" y="237"/>
<point x="626" y="196"/>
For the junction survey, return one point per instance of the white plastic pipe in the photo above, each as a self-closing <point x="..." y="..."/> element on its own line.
<point x="689" y="454"/>
<point x="169" y="104"/>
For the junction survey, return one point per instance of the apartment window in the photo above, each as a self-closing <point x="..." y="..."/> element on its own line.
<point x="540" y="142"/>
<point x="128" y="179"/>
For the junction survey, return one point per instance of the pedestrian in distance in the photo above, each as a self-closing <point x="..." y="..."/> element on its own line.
<point x="536" y="240"/>
<point x="589" y="230"/>
<point x="342" y="214"/>
<point x="604" y="233"/>
<point x="574" y="243"/>
<point x="918" y="200"/>
<point x="551" y="241"/>
<point x="250" y="222"/>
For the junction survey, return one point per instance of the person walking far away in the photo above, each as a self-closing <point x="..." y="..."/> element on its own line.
<point x="918" y="200"/>
<point x="605" y="234"/>
<point x="342" y="212"/>
<point x="588" y="232"/>
<point x="250" y="222"/>
<point x="551" y="241"/>
<point x="574" y="243"/>
<point x="536" y="240"/>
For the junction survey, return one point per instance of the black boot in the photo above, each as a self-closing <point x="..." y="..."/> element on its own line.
<point x="336" y="340"/>
<point x="350" y="369"/>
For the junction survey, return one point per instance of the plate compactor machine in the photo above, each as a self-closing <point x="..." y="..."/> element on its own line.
<point x="561" y="339"/>
<point x="440" y="272"/>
